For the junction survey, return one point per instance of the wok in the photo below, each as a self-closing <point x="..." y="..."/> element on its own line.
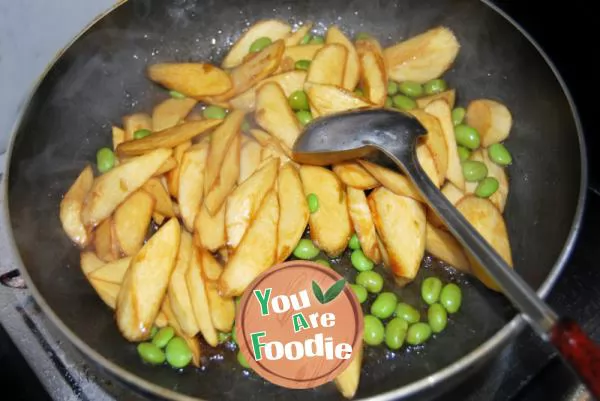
<point x="100" y="78"/>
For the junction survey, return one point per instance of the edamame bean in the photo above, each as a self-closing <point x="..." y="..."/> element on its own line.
<point x="384" y="305"/>
<point x="178" y="353"/>
<point x="363" y="36"/>
<point x="234" y="334"/>
<point x="458" y="115"/>
<point x="451" y="297"/>
<point x="371" y="280"/>
<point x="354" y="242"/>
<point x="223" y="337"/>
<point x="463" y="153"/>
<point x="388" y="103"/>
<point x="302" y="65"/>
<point x="418" y="333"/>
<point x="323" y="262"/>
<point x="305" y="39"/>
<point x="242" y="360"/>
<point x="245" y="126"/>
<point x="214" y="112"/>
<point x="359" y="92"/>
<point x="298" y="100"/>
<point x="434" y="86"/>
<point x="164" y="335"/>
<point x="467" y="136"/>
<point x="392" y="88"/>
<point x="260" y="44"/>
<point x="430" y="290"/>
<point x="395" y="333"/>
<point x="474" y="171"/>
<point x="374" y="331"/>
<point x="306" y="249"/>
<point x="304" y="117"/>
<point x="407" y="312"/>
<point x="360" y="292"/>
<point x="153" y="331"/>
<point x="437" y="317"/>
<point x="141" y="133"/>
<point x="411" y="88"/>
<point x="177" y="95"/>
<point x="313" y="203"/>
<point x="105" y="159"/>
<point x="499" y="154"/>
<point x="360" y="261"/>
<point x="487" y="187"/>
<point x="317" y="40"/>
<point x="403" y="102"/>
<point x="151" y="353"/>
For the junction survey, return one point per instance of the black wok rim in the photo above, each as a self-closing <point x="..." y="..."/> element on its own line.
<point x="478" y="355"/>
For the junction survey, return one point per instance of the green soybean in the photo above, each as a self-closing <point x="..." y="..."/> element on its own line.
<point x="463" y="153"/>
<point x="260" y="44"/>
<point x="363" y="36"/>
<point x="354" y="242"/>
<point x="395" y="333"/>
<point x="371" y="280"/>
<point x="306" y="249"/>
<point x="178" y="353"/>
<point x="359" y="92"/>
<point x="177" y="95"/>
<point x="451" y="297"/>
<point x="411" y="88"/>
<point x="392" y="88"/>
<point x="105" y="159"/>
<point x="384" y="305"/>
<point x="162" y="338"/>
<point x="223" y="337"/>
<point x="430" y="290"/>
<point x="141" y="133"/>
<point x="151" y="353"/>
<point x="373" y="332"/>
<point x="305" y="39"/>
<point x="214" y="112"/>
<point x="360" y="261"/>
<point x="407" y="312"/>
<point x="437" y="317"/>
<point x="487" y="187"/>
<point x="323" y="262"/>
<point x="467" y="136"/>
<point x="458" y="115"/>
<point x="241" y="358"/>
<point x="298" y="100"/>
<point x="304" y="117"/>
<point x="313" y="203"/>
<point x="418" y="333"/>
<point x="360" y="292"/>
<point x="474" y="171"/>
<point x="499" y="154"/>
<point x="434" y="86"/>
<point x="317" y="40"/>
<point x="388" y="103"/>
<point x="234" y="334"/>
<point x="403" y="102"/>
<point x="245" y="126"/>
<point x="302" y="65"/>
<point x="153" y="331"/>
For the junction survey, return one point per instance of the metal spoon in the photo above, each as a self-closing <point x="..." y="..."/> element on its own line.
<point x="355" y="134"/>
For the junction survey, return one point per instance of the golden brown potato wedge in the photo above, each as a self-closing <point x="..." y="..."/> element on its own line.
<point x="290" y="82"/>
<point x="112" y="272"/>
<point x="435" y="141"/>
<point x="132" y="220"/>
<point x="161" y="319"/>
<point x="330" y="226"/>
<point x="347" y="381"/>
<point x="422" y="57"/>
<point x="448" y="96"/>
<point x="487" y="220"/>
<point x="255" y="253"/>
<point x="210" y="230"/>
<point x="134" y="122"/>
<point x="171" y="112"/>
<point x="442" y="112"/>
<point x="453" y="195"/>
<point x="191" y="177"/>
<point x="90" y="262"/>
<point x="428" y="164"/>
<point x="395" y="182"/>
<point x="243" y="203"/>
<point x="293" y="211"/>
<point x="168" y="138"/>
<point x="103" y="241"/>
<point x="352" y="69"/>
<point x="274" y="114"/>
<point x="193" y="344"/>
<point x="158" y="218"/>
<point x="401" y="225"/>
<point x="230" y="171"/>
<point x="250" y="158"/>
<point x="329" y="99"/>
<point x="499" y="197"/>
<point x="199" y="298"/>
<point x="194" y="80"/>
<point x="71" y="206"/>
<point x="167" y="315"/>
<point x="222" y="309"/>
<point x="491" y="119"/>
<point x="295" y="37"/>
<point x="444" y="246"/>
<point x="118" y="136"/>
<point x="362" y="221"/>
<point x="211" y="268"/>
<point x="163" y="204"/>
<point x="328" y="65"/>
<point x="167" y="166"/>
<point x="271" y="145"/>
<point x="373" y="73"/>
<point x="108" y="292"/>
<point x="173" y="175"/>
<point x="354" y="175"/>
<point x="145" y="283"/>
<point x="296" y="53"/>
<point x="272" y="29"/>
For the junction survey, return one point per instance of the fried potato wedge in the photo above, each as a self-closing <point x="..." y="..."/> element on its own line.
<point x="442" y="112"/>
<point x="168" y="138"/>
<point x="352" y="69"/>
<point x="163" y="204"/>
<point x="428" y="163"/>
<point x="103" y="241"/>
<point x="362" y="221"/>
<point x="395" y="182"/>
<point x="108" y="292"/>
<point x="296" y="53"/>
<point x="244" y="202"/>
<point x="487" y="220"/>
<point x="328" y="65"/>
<point x="296" y="37"/>
<point x="71" y="206"/>
<point x="274" y="114"/>
<point x="167" y="166"/>
<point x="330" y="226"/>
<point x="423" y="57"/>
<point x="444" y="246"/>
<point x="453" y="195"/>
<point x="209" y="231"/>
<point x="145" y="283"/>
<point x="158" y="218"/>
<point x="272" y="29"/>
<point x="90" y="262"/>
<point x="134" y="122"/>
<point x="132" y="220"/>
<point x="199" y="298"/>
<point x="211" y="268"/>
<point x="255" y="253"/>
<point x="168" y="315"/>
<point x="112" y="272"/>
<point x="499" y="197"/>
<point x="354" y="175"/>
<point x="329" y="99"/>
<point x="275" y="146"/>
<point x="491" y="119"/>
<point x="448" y="96"/>
<point x="250" y="158"/>
<point x="222" y="309"/>
<point x="194" y="80"/>
<point x="347" y="381"/>
<point x="373" y="73"/>
<point x="173" y="175"/>
<point x="118" y="136"/>
<point x="191" y="189"/>
<point x="435" y="141"/>
<point x="293" y="211"/>
<point x="401" y="225"/>
<point x="171" y="112"/>
<point x="290" y="82"/>
<point x="230" y="171"/>
<point x="161" y="319"/>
